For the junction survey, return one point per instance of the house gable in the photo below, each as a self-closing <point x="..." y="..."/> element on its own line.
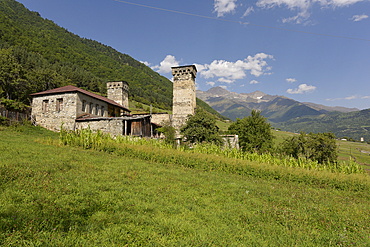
<point x="52" y="108"/>
<point x="51" y="111"/>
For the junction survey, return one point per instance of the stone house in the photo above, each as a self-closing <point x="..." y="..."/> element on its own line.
<point x="76" y="108"/>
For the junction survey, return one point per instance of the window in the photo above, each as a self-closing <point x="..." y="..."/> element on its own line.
<point x="91" y="110"/>
<point x="45" y="105"/>
<point x="102" y="111"/>
<point x="59" y="106"/>
<point x="96" y="109"/>
<point x="84" y="105"/>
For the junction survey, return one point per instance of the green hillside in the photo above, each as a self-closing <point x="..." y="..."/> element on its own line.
<point x="43" y="55"/>
<point x="37" y="55"/>
<point x="54" y="195"/>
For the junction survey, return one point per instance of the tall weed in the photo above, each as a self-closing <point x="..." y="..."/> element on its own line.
<point x="211" y="157"/>
<point x="88" y="139"/>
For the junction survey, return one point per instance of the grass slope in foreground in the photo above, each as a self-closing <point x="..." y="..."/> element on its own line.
<point x="62" y="196"/>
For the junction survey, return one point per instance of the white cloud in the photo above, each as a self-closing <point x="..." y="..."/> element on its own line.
<point x="339" y="3"/>
<point x="211" y="83"/>
<point x="303" y="7"/>
<point x="248" y="11"/>
<point x="254" y="82"/>
<point x="145" y="62"/>
<point x="166" y="64"/>
<point x="224" y="87"/>
<point x="291" y="80"/>
<point x="352" y="97"/>
<point x="223" y="7"/>
<point x="303" y="88"/>
<point x="229" y="72"/>
<point x="225" y="80"/>
<point x="359" y="17"/>
<point x="298" y="19"/>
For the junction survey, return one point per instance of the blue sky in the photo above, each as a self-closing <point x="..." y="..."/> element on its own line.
<point x="309" y="50"/>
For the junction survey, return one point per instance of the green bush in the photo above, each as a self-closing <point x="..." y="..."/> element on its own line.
<point x="4" y="121"/>
<point x="320" y="147"/>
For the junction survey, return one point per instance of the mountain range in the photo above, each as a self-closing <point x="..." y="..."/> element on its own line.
<point x="290" y="115"/>
<point x="275" y="108"/>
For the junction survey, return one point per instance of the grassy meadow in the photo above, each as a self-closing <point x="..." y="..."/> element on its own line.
<point x="56" y="195"/>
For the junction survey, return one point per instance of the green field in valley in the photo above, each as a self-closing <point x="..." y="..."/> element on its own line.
<point x="356" y="151"/>
<point x="347" y="150"/>
<point x="54" y="195"/>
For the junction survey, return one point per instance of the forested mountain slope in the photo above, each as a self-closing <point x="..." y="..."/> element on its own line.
<point x="351" y="124"/>
<point x="36" y="55"/>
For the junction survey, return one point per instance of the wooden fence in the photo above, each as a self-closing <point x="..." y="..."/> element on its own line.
<point x="15" y="116"/>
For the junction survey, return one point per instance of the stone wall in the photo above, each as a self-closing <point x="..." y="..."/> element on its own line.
<point x="161" y="118"/>
<point x="111" y="126"/>
<point x="91" y="106"/>
<point x="51" y="111"/>
<point x="231" y="141"/>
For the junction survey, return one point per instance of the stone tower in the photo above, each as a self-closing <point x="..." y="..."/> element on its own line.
<point x="184" y="96"/>
<point x="118" y="91"/>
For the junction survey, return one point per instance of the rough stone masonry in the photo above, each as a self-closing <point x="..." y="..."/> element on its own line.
<point x="184" y="95"/>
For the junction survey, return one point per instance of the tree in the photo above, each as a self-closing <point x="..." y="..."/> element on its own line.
<point x="254" y="133"/>
<point x="320" y="147"/>
<point x="294" y="146"/>
<point x="201" y="127"/>
<point x="10" y="71"/>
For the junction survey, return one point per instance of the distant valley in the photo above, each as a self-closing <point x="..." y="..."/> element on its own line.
<point x="290" y="115"/>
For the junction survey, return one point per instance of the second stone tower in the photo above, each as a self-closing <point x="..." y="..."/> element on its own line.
<point x="184" y="95"/>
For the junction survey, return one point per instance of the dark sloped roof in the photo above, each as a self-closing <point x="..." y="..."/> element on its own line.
<point x="70" y="88"/>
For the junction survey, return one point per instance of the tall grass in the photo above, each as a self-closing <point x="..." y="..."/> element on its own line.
<point x="347" y="167"/>
<point x="88" y="139"/>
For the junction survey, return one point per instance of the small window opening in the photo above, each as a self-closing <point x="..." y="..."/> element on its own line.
<point x="59" y="105"/>
<point x="45" y="105"/>
<point x="91" y="110"/>
<point x="102" y="111"/>
<point x="84" y="105"/>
